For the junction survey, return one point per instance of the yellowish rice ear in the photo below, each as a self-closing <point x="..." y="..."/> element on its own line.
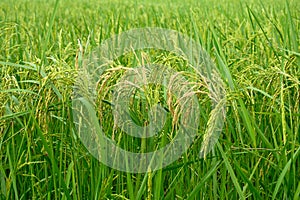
<point x="79" y="55"/>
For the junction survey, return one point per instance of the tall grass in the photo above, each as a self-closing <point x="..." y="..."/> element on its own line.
<point x="255" y="46"/>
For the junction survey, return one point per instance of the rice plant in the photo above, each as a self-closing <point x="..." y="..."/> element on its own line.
<point x="255" y="47"/>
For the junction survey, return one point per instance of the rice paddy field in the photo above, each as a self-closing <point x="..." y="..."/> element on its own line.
<point x="255" y="47"/>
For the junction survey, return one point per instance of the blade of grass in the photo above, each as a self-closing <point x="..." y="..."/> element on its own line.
<point x="50" y="153"/>
<point x="284" y="173"/>
<point x="231" y="172"/>
<point x="199" y="186"/>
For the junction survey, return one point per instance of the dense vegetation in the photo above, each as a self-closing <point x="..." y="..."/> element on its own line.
<point x="255" y="46"/>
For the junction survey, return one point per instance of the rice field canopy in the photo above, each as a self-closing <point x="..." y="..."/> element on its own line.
<point x="255" y="46"/>
<point x="254" y="22"/>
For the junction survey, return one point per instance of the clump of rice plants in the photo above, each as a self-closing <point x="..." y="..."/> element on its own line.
<point x="255" y="46"/>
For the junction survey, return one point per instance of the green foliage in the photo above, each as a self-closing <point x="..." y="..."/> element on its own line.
<point x="255" y="45"/>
